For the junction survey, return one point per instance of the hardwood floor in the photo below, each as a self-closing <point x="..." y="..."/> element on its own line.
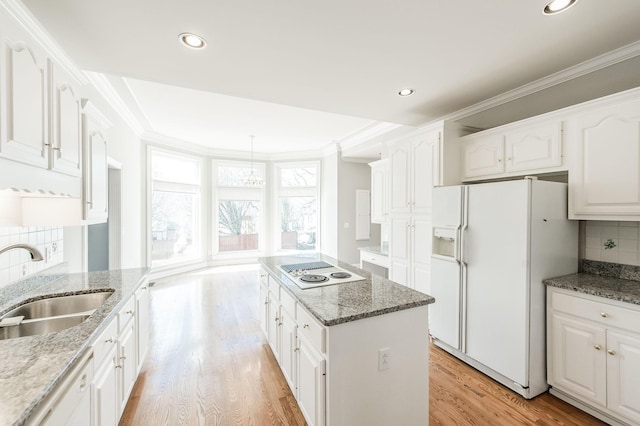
<point x="209" y="364"/>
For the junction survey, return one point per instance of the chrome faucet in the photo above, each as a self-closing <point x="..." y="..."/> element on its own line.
<point x="36" y="256"/>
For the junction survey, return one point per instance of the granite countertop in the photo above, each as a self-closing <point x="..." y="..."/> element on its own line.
<point x="340" y="303"/>
<point x="32" y="366"/>
<point x="375" y="250"/>
<point x="599" y="285"/>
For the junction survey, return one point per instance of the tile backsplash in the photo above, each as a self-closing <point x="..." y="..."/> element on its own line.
<point x="615" y="242"/>
<point x="16" y="264"/>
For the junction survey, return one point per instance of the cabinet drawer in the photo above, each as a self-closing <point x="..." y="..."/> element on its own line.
<point x="287" y="301"/>
<point x="126" y="314"/>
<point x="376" y="259"/>
<point x="597" y="310"/>
<point x="105" y="342"/>
<point x="311" y="328"/>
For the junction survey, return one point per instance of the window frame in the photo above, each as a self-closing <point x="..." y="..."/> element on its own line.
<point x="279" y="192"/>
<point x="238" y="193"/>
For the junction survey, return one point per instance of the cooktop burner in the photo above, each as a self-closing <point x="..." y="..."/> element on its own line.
<point x="314" y="273"/>
<point x="313" y="278"/>
<point x="340" y="275"/>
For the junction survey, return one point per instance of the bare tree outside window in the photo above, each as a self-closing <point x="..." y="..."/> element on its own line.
<point x="238" y="223"/>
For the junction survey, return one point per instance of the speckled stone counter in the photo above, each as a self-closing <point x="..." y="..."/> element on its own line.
<point x="599" y="285"/>
<point x="340" y="303"/>
<point x="32" y="366"/>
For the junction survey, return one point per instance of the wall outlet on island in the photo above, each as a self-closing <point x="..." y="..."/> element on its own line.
<point x="384" y="359"/>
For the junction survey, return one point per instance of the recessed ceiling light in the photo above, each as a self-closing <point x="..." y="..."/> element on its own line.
<point x="406" y="92"/>
<point x="557" y="6"/>
<point x="192" y="40"/>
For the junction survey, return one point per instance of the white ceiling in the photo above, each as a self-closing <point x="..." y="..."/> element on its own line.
<point x="321" y="70"/>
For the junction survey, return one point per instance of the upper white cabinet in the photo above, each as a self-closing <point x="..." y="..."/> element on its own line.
<point x="95" y="183"/>
<point x="604" y="183"/>
<point x="25" y="135"/>
<point x="415" y="169"/>
<point x="66" y="141"/>
<point x="513" y="150"/>
<point x="379" y="191"/>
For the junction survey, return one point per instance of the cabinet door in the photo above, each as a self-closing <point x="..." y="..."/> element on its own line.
<point x="264" y="309"/>
<point x="400" y="160"/>
<point x="27" y="134"/>
<point x="425" y="166"/>
<point x="399" y="249"/>
<point x="288" y="349"/>
<point x="606" y="181"/>
<point x="379" y="192"/>
<point x="105" y="392"/>
<point x="534" y="148"/>
<point x="128" y="367"/>
<point x="273" y="331"/>
<point x="483" y="156"/>
<point x="311" y="383"/>
<point x="95" y="169"/>
<point x="578" y="358"/>
<point x="142" y="324"/>
<point x="421" y="253"/>
<point x="67" y="124"/>
<point x="623" y="372"/>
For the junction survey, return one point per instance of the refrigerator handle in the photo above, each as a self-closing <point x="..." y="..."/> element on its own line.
<point x="465" y="224"/>
<point x="463" y="307"/>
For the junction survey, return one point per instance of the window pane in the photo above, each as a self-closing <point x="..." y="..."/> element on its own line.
<point x="298" y="221"/>
<point x="298" y="177"/>
<point x="174" y="225"/>
<point x="171" y="168"/>
<point x="238" y="224"/>
<point x="236" y="175"/>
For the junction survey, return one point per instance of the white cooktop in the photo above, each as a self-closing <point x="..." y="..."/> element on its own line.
<point x="317" y="274"/>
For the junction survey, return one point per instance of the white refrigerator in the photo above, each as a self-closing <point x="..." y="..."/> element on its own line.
<point x="493" y="244"/>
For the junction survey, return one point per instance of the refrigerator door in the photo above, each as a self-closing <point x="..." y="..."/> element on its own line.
<point x="447" y="206"/>
<point x="496" y="245"/>
<point x="444" y="315"/>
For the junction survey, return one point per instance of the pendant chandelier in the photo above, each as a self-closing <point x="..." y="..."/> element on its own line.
<point x="253" y="180"/>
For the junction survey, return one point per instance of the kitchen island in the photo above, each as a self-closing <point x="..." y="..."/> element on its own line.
<point x="353" y="353"/>
<point x="34" y="368"/>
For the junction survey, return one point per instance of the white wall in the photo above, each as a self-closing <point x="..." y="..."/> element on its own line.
<point x="328" y="206"/>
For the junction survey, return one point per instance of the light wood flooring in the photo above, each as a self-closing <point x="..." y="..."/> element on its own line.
<point x="209" y="364"/>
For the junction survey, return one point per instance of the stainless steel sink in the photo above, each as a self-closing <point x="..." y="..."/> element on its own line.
<point x="62" y="305"/>
<point x="52" y="314"/>
<point x="43" y="326"/>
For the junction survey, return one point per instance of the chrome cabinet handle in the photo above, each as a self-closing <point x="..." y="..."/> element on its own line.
<point x="611" y="352"/>
<point x="597" y="347"/>
<point x="109" y="340"/>
<point x="604" y="314"/>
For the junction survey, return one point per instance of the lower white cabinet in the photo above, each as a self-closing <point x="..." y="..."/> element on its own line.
<point x="142" y="324"/>
<point x="311" y="382"/>
<point x="105" y="390"/>
<point x="71" y="403"/>
<point x="594" y="353"/>
<point x="287" y="350"/>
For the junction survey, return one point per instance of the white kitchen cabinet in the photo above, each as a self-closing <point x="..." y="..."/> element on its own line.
<point x="514" y="149"/>
<point x="410" y="251"/>
<point x="288" y="351"/>
<point x="71" y="402"/>
<point x="95" y="182"/>
<point x="311" y="382"/>
<point x="105" y="390"/>
<point x="66" y="126"/>
<point x="379" y="191"/>
<point x="604" y="183"/>
<point x="594" y="353"/>
<point x="25" y="121"/>
<point x="142" y="324"/>
<point x="128" y="366"/>
<point x="415" y="169"/>
<point x="273" y="331"/>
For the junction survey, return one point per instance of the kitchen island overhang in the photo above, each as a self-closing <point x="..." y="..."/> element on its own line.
<point x="369" y="340"/>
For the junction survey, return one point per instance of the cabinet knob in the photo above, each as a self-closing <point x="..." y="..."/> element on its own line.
<point x="130" y="312"/>
<point x="597" y="347"/>
<point x="604" y="314"/>
<point x="296" y="349"/>
<point x="118" y="366"/>
<point x="123" y="357"/>
<point x="305" y="326"/>
<point x="109" y="340"/>
<point x="279" y="324"/>
<point x="611" y="352"/>
<point x="276" y="319"/>
<point x="83" y="382"/>
<point x="499" y="160"/>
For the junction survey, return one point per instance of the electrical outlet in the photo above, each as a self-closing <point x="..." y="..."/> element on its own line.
<point x="384" y="359"/>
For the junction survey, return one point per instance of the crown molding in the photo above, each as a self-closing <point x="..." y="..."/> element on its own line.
<point x="90" y="109"/>
<point x="23" y="17"/>
<point x="109" y="93"/>
<point x="594" y="64"/>
<point x="367" y="133"/>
